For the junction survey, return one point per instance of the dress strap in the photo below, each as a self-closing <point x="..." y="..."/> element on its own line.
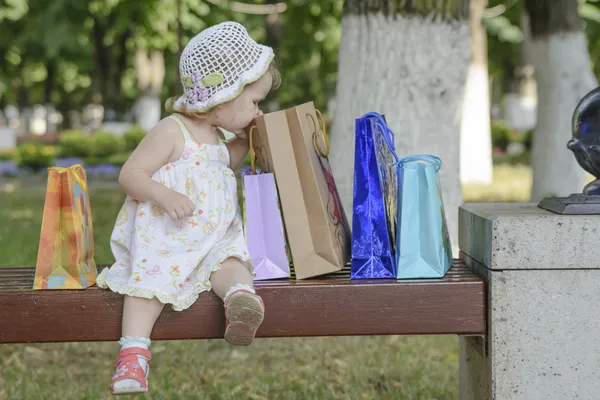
<point x="221" y="137"/>
<point x="184" y="130"/>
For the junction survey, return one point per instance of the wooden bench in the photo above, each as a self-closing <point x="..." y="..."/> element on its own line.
<point x="328" y="306"/>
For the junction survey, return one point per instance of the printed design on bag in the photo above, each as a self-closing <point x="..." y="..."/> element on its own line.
<point x="388" y="179"/>
<point x="81" y="218"/>
<point x="334" y="205"/>
<point x="57" y="282"/>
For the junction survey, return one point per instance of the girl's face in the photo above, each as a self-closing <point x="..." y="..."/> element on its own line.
<point x="237" y="114"/>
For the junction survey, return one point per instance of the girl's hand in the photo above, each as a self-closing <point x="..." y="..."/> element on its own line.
<point x="175" y="204"/>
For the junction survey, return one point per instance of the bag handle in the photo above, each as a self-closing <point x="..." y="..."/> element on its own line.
<point x="433" y="160"/>
<point x="321" y="127"/>
<point x="387" y="133"/>
<point x="74" y="169"/>
<point x="252" y="152"/>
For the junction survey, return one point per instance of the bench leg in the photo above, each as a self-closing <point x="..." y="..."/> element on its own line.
<point x="543" y="337"/>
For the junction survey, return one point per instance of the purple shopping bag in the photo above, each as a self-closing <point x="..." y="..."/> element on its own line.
<point x="264" y="226"/>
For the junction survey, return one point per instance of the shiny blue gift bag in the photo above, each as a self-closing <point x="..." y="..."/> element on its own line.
<point x="375" y="200"/>
<point x="423" y="244"/>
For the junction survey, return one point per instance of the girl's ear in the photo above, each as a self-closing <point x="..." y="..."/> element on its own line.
<point x="213" y="114"/>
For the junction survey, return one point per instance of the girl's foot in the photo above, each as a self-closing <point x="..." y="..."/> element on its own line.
<point x="131" y="377"/>
<point x="244" y="312"/>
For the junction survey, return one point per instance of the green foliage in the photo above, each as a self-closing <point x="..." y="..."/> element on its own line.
<point x="90" y="55"/>
<point x="500" y="138"/>
<point x="7" y="155"/>
<point x="528" y="139"/>
<point x="35" y="156"/>
<point x="502" y="22"/>
<point x="503" y="25"/>
<point x="118" y="159"/>
<point x="523" y="158"/>
<point x="74" y="143"/>
<point x="105" y="144"/>
<point x="133" y="136"/>
<point x="502" y="28"/>
<point x="589" y="11"/>
<point x="309" y="53"/>
<point x="92" y="160"/>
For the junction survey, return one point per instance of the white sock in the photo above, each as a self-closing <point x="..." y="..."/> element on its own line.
<point x="132" y="341"/>
<point x="238" y="287"/>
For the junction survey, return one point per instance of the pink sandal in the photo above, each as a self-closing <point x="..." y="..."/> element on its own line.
<point x="244" y="312"/>
<point x="128" y="367"/>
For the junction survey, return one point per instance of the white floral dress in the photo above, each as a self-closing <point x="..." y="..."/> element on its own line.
<point x="173" y="261"/>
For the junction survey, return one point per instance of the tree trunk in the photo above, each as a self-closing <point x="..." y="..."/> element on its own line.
<point x="150" y="72"/>
<point x="103" y="64"/>
<point x="180" y="44"/>
<point x="475" y="132"/>
<point x="561" y="61"/>
<point x="520" y="99"/>
<point x="51" y="67"/>
<point x="274" y="35"/>
<point x="407" y="60"/>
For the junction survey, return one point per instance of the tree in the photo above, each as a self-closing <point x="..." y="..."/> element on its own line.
<point x="407" y="60"/>
<point x="475" y="134"/>
<point x="560" y="57"/>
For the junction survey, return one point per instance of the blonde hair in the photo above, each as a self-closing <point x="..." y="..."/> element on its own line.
<point x="275" y="75"/>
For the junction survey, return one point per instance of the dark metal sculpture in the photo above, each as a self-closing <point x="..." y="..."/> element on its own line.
<point x="585" y="145"/>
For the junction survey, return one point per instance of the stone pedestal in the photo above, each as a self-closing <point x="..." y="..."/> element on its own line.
<point x="543" y="282"/>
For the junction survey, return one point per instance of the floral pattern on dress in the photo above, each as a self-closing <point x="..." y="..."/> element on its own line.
<point x="173" y="261"/>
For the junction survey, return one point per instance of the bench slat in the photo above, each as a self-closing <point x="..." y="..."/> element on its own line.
<point x="327" y="306"/>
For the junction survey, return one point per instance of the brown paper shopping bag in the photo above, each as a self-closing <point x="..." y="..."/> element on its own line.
<point x="293" y="145"/>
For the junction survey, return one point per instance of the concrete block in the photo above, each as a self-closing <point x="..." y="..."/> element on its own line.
<point x="543" y="337"/>
<point x="517" y="236"/>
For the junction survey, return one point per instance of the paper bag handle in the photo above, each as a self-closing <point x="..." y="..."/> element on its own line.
<point x="74" y="169"/>
<point x="252" y="152"/>
<point x="322" y="153"/>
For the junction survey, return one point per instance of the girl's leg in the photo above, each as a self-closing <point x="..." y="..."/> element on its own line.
<point x="244" y="310"/>
<point x="139" y="317"/>
<point x="232" y="273"/>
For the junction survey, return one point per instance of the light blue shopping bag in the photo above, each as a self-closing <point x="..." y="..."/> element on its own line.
<point x="422" y="240"/>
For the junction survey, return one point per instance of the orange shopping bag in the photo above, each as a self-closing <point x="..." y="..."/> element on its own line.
<point x="66" y="251"/>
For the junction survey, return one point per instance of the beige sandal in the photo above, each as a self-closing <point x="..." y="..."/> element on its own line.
<point x="244" y="313"/>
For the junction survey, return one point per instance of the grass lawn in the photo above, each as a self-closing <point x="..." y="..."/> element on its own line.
<point x="419" y="367"/>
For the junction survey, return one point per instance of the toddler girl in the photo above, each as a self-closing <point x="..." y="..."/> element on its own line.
<point x="179" y="232"/>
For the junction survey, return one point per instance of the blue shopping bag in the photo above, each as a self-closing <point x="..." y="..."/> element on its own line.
<point x="375" y="200"/>
<point x="423" y="243"/>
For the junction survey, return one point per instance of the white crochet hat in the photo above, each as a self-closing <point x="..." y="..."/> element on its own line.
<point x="217" y="63"/>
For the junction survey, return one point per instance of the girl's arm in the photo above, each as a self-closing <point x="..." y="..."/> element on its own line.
<point x="150" y="155"/>
<point x="238" y="150"/>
